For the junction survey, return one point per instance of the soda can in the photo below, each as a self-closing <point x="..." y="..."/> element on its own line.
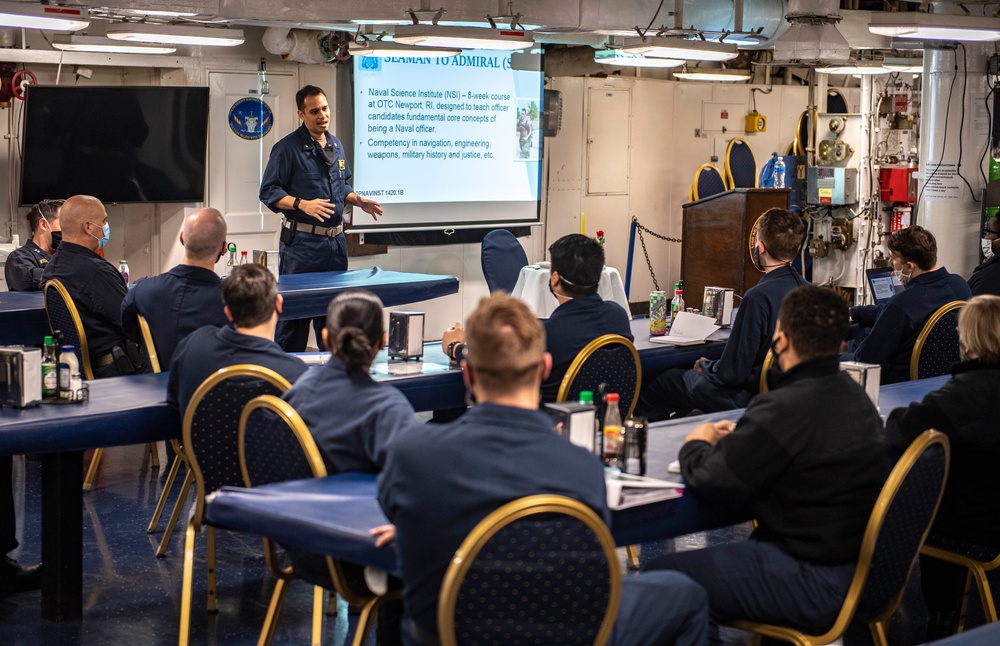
<point x="657" y="313"/>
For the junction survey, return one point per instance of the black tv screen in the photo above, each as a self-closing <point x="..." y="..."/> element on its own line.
<point x="119" y="144"/>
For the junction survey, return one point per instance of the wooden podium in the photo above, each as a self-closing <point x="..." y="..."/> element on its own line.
<point x="716" y="247"/>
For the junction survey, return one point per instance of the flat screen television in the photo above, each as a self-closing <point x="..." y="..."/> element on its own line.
<point x="119" y="144"/>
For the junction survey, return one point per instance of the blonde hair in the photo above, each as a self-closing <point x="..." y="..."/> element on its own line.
<point x="979" y="328"/>
<point x="504" y="345"/>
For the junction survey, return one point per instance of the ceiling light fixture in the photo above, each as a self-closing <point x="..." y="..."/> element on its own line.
<point x="101" y="45"/>
<point x="678" y="48"/>
<point x="175" y="34"/>
<point x="932" y="26"/>
<point x="624" y="59"/>
<point x="386" y="48"/>
<point x="719" y="75"/>
<point x="860" y="68"/>
<point x="463" y="37"/>
<point x="36" y="16"/>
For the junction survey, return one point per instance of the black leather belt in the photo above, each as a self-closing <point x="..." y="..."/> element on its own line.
<point x="103" y="360"/>
<point x="329" y="232"/>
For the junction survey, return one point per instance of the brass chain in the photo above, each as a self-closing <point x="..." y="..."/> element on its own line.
<point x="642" y="241"/>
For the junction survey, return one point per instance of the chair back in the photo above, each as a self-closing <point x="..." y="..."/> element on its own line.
<point x="275" y="444"/>
<point x="148" y="347"/>
<point x="707" y="182"/>
<point x="211" y="426"/>
<point x="502" y="259"/>
<point x="610" y="359"/>
<point x="896" y="530"/>
<point x="764" y="367"/>
<point x="539" y="570"/>
<point x="937" y="347"/>
<point x="741" y="166"/>
<point x="63" y="316"/>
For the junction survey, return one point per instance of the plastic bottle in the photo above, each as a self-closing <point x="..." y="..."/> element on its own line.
<point x="243" y="257"/>
<point x="50" y="369"/>
<point x="68" y="366"/>
<point x="676" y="305"/>
<point x="612" y="433"/>
<point x="779" y="171"/>
<point x="587" y="398"/>
<point x="123" y="270"/>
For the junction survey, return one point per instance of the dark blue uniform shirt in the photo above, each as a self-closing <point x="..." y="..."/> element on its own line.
<point x="440" y="481"/>
<point x="572" y="326"/>
<point x="97" y="290"/>
<point x="896" y="324"/>
<point x="985" y="278"/>
<point x="369" y="415"/>
<point x="209" y="349"/>
<point x="174" y="304"/>
<point x="23" y="268"/>
<point x="298" y="168"/>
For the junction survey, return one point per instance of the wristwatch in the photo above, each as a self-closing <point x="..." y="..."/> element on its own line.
<point x="451" y="349"/>
<point x="295" y="204"/>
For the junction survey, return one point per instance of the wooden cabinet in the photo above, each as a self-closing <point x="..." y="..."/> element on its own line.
<point x="715" y="249"/>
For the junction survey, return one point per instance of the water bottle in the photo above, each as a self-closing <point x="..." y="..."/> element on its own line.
<point x="676" y="305"/>
<point x="779" y="171"/>
<point x="123" y="269"/>
<point x="612" y="433"/>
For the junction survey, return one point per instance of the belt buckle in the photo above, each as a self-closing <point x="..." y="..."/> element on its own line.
<point x="331" y="232"/>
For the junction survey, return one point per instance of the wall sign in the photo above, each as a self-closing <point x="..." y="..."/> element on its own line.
<point x="250" y="118"/>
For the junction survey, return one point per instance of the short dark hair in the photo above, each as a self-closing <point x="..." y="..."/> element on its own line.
<point x="48" y="209"/>
<point x="815" y="319"/>
<point x="354" y="325"/>
<point x="579" y="261"/>
<point x="915" y="244"/>
<point x="781" y="231"/>
<point x="305" y="93"/>
<point x="250" y="293"/>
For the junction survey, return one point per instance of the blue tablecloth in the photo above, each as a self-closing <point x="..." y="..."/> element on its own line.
<point x="307" y="295"/>
<point x="332" y="515"/>
<point x="121" y="410"/>
<point x="23" y="321"/>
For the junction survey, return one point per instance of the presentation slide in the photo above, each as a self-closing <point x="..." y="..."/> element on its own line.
<point x="448" y="141"/>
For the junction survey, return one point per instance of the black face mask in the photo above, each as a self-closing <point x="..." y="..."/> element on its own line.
<point x="755" y="258"/>
<point x="56" y="239"/>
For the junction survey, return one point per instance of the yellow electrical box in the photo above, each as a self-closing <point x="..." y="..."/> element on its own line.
<point x="756" y="122"/>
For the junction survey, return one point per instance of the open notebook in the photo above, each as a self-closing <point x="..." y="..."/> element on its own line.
<point x="688" y="329"/>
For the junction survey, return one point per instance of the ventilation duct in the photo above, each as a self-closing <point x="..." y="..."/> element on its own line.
<point x="299" y="45"/>
<point x="813" y="37"/>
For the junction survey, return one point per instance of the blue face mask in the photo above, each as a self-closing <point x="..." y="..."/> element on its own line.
<point x="106" y="230"/>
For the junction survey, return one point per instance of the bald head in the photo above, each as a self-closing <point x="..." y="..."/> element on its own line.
<point x="82" y="217"/>
<point x="203" y="236"/>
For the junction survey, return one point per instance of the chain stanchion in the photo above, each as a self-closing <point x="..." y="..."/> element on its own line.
<point x="642" y="241"/>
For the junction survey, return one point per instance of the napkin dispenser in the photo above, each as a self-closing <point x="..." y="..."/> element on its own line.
<point x="718" y="304"/>
<point x="267" y="258"/>
<point x="20" y="376"/>
<point x="867" y="375"/>
<point x="406" y="335"/>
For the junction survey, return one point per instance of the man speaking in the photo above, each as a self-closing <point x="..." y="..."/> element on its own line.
<point x="306" y="180"/>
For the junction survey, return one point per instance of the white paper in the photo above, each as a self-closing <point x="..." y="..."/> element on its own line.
<point x="625" y="491"/>
<point x="688" y="329"/>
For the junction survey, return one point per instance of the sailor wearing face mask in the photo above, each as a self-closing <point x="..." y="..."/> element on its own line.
<point x="896" y="323"/>
<point x="985" y="278"/>
<point x="23" y="267"/>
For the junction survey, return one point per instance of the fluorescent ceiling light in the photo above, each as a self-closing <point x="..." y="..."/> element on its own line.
<point x="463" y="37"/>
<point x="931" y="26"/>
<point x="155" y="12"/>
<point x="896" y="64"/>
<point x="175" y="34"/>
<point x="103" y="45"/>
<point x="624" y="59"/>
<point x="859" y="69"/>
<point x="721" y="75"/>
<point x="677" y="48"/>
<point x="385" y="48"/>
<point x="36" y="16"/>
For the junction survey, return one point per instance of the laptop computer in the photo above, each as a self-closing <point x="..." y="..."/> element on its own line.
<point x="883" y="283"/>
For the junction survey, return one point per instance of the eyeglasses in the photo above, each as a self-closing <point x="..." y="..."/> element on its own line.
<point x="990" y="232"/>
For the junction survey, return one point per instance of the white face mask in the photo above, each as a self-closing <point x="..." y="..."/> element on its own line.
<point x="903" y="278"/>
<point x="987" y="248"/>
